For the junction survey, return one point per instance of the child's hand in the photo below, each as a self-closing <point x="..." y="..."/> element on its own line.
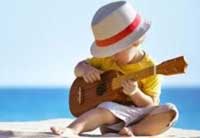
<point x="130" y="87"/>
<point x="91" y="74"/>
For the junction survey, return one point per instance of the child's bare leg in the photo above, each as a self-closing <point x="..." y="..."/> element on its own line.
<point x="91" y="120"/>
<point x="151" y="124"/>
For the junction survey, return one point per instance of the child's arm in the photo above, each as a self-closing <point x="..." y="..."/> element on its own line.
<point x="89" y="73"/>
<point x="139" y="98"/>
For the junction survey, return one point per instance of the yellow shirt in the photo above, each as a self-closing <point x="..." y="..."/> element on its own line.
<point x="150" y="86"/>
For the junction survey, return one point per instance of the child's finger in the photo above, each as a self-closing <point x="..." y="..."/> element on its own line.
<point x="85" y="79"/>
<point x="97" y="75"/>
<point x="131" y="82"/>
<point x="90" y="78"/>
<point x="100" y="71"/>
<point x="129" y="89"/>
<point x="124" y="82"/>
<point x="93" y="77"/>
<point x="125" y="91"/>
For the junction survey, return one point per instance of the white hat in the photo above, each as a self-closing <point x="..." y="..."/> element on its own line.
<point x="115" y="27"/>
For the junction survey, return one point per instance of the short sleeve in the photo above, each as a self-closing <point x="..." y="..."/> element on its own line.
<point x="95" y="62"/>
<point x="152" y="86"/>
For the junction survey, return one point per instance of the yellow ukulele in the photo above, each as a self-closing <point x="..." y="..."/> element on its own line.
<point x="85" y="96"/>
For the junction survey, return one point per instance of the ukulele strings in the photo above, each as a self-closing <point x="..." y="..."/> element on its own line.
<point x="86" y="93"/>
<point x="93" y="100"/>
<point x="94" y="85"/>
<point x="148" y="69"/>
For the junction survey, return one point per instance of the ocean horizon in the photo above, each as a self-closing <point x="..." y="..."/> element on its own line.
<point x="34" y="104"/>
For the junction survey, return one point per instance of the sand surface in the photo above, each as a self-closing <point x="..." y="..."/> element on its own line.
<point x="40" y="129"/>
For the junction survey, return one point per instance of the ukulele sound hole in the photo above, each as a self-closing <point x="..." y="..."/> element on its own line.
<point x="101" y="88"/>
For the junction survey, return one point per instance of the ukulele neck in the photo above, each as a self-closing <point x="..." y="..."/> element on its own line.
<point x="116" y="82"/>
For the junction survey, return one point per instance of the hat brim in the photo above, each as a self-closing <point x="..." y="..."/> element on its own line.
<point x="121" y="45"/>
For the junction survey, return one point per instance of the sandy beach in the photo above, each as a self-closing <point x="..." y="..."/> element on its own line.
<point x="40" y="129"/>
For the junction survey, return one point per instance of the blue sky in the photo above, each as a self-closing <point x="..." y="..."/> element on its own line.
<point x="42" y="40"/>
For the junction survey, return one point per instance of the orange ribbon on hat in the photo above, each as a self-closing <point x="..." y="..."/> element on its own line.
<point x="119" y="36"/>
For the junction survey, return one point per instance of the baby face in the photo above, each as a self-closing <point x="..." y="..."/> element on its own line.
<point x="125" y="56"/>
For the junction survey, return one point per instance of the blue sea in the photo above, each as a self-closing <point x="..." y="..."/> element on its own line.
<point x="32" y="104"/>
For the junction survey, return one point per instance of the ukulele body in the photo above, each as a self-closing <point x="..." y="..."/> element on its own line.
<point x="85" y="96"/>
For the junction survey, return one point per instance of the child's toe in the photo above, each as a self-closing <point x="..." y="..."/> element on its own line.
<point x="56" y="131"/>
<point x="126" y="131"/>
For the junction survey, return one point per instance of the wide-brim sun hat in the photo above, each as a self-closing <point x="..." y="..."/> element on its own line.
<point x="115" y="27"/>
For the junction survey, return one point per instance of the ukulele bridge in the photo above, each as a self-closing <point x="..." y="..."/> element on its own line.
<point x="79" y="95"/>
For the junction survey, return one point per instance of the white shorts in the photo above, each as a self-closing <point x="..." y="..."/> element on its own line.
<point x="131" y="114"/>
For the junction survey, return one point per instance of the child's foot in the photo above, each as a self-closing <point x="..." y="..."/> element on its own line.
<point x="56" y="131"/>
<point x="126" y="131"/>
<point x="63" y="131"/>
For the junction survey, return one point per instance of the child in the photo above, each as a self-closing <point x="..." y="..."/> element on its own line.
<point x="119" y="31"/>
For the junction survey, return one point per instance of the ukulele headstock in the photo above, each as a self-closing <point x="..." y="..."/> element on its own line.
<point x="174" y="66"/>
